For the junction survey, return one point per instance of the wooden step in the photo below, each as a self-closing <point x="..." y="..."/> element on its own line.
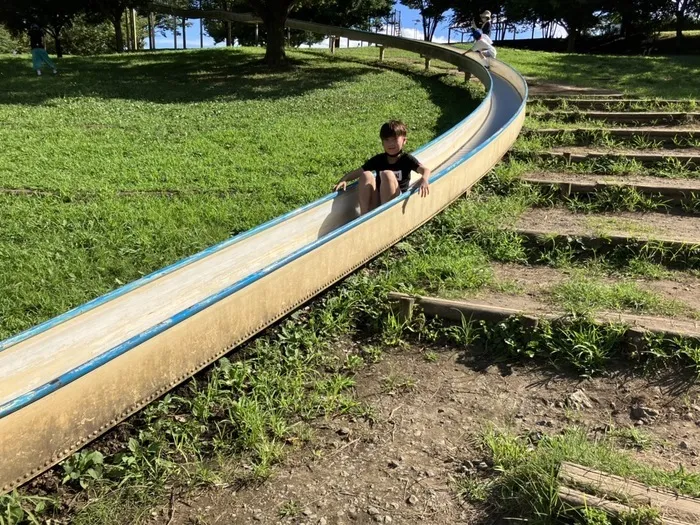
<point x="627" y="117"/>
<point x="680" y="507"/>
<point x="602" y="103"/>
<point x="472" y="310"/>
<point x="645" y="159"/>
<point x="663" y="135"/>
<point x="672" y="195"/>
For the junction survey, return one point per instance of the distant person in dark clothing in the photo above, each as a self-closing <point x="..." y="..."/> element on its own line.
<point x="39" y="54"/>
<point x="485" y="23"/>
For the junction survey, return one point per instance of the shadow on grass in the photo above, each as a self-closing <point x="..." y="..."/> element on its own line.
<point x="204" y="75"/>
<point x="452" y="109"/>
<point x="674" y="381"/>
<point x="169" y="77"/>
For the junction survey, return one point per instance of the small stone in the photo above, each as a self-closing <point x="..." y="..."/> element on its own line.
<point x="482" y="465"/>
<point x="344" y="431"/>
<point x="372" y="511"/>
<point x="412" y="499"/>
<point x="307" y="512"/>
<point x="429" y="474"/>
<point x="559" y="404"/>
<point x="257" y="517"/>
<point x="323" y="521"/>
<point x="352" y="513"/>
<point x="688" y="416"/>
<point x="393" y="464"/>
<point x="388" y="519"/>
<point x="394" y="505"/>
<point x="695" y="407"/>
<point x="641" y="412"/>
<point x="378" y="518"/>
<point x="639" y="423"/>
<point x="578" y="400"/>
<point x="683" y="445"/>
<point x="418" y="433"/>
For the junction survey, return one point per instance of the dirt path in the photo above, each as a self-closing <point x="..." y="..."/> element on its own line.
<point x="402" y="469"/>
<point x="640" y="225"/>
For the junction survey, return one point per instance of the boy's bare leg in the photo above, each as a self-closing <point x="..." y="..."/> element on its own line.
<point x="389" y="187"/>
<point x="367" y="192"/>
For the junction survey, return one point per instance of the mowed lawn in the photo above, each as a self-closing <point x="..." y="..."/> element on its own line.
<point x="125" y="164"/>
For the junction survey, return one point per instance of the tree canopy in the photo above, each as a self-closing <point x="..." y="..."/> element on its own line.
<point x="626" y="18"/>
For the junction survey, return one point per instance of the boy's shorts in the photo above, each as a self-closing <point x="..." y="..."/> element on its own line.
<point x="403" y="188"/>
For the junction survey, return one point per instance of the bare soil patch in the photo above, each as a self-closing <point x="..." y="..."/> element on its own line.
<point x="402" y="469"/>
<point x="538" y="88"/>
<point x="535" y="281"/>
<point x="639" y="225"/>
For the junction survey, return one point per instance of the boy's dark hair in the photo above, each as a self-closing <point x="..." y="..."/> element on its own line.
<point x="393" y="128"/>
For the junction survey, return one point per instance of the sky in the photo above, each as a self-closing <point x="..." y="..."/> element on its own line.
<point x="410" y="28"/>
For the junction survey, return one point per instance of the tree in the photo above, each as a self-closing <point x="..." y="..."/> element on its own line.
<point x="273" y="13"/>
<point x="683" y="8"/>
<point x="637" y="17"/>
<point x="113" y="11"/>
<point x="53" y="15"/>
<point x="9" y="43"/>
<point x="432" y="12"/>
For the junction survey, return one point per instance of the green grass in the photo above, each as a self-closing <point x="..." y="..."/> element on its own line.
<point x="237" y="142"/>
<point x="663" y="76"/>
<point x="583" y="294"/>
<point x="523" y="482"/>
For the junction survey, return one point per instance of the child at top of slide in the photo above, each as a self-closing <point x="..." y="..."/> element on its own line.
<point x="483" y="45"/>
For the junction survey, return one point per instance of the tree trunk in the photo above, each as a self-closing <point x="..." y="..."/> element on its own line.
<point x="274" y="25"/>
<point x="680" y="19"/>
<point x="129" y="36"/>
<point x="184" y="35"/>
<point x="118" y="34"/>
<point x="571" y="41"/>
<point x="59" y="47"/>
<point x="151" y="32"/>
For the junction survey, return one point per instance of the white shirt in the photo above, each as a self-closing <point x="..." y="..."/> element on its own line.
<point x="483" y="45"/>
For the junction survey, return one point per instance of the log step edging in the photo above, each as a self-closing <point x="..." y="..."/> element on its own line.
<point x="598" y="104"/>
<point x="646" y="159"/>
<point x="607" y="242"/>
<point x="684" y="507"/>
<point x="666" y="135"/>
<point x="619" y="116"/>
<point x="675" y="195"/>
<point x="454" y="310"/>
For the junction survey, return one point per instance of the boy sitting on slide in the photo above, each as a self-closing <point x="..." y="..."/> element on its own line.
<point x="388" y="174"/>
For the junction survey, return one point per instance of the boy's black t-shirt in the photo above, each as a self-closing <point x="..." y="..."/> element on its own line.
<point x="402" y="168"/>
<point x="36" y="38"/>
<point x="486" y="28"/>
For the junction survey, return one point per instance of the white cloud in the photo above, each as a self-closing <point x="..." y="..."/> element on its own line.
<point x="417" y="34"/>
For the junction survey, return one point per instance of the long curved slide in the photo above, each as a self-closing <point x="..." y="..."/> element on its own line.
<point x="70" y="379"/>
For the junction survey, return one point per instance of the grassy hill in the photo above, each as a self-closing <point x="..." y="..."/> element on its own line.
<point x="123" y="164"/>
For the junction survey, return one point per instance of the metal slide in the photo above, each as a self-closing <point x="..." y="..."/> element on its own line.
<point x="70" y="379"/>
